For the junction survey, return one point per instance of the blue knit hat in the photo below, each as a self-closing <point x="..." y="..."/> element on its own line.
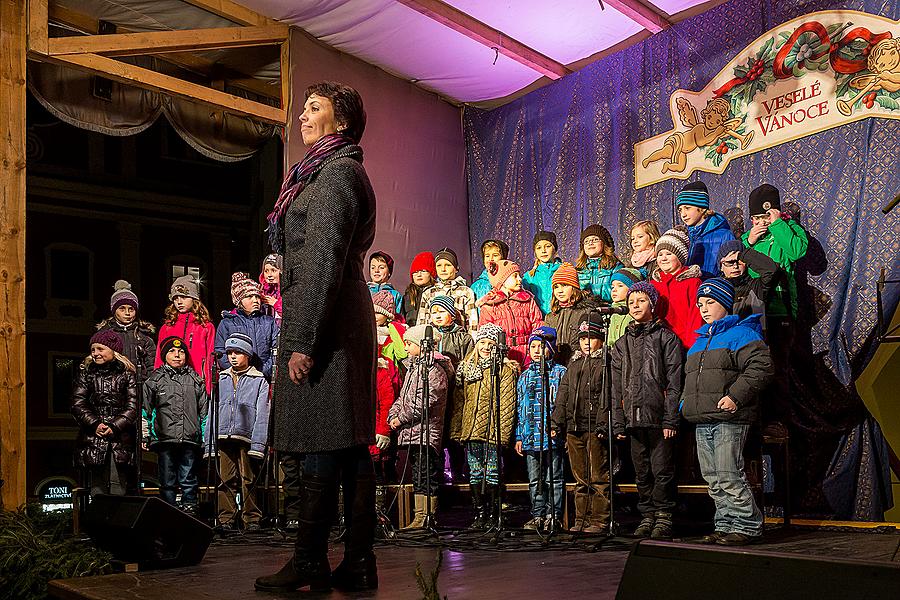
<point x="240" y="342"/>
<point x="693" y="194"/>
<point x="727" y="248"/>
<point x="645" y="287"/>
<point x="718" y="289"/>
<point x="548" y="335"/>
<point x="445" y="302"/>
<point x="627" y="276"/>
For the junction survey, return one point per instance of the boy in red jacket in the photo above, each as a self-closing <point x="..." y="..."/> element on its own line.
<point x="677" y="286"/>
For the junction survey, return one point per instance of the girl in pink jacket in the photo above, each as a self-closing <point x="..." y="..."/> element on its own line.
<point x="510" y="307"/>
<point x="187" y="318"/>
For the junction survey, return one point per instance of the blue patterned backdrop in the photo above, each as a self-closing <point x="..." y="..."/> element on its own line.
<point x="562" y="157"/>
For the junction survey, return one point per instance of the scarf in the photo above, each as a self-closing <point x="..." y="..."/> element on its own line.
<point x="473" y="370"/>
<point x="297" y="178"/>
<point x="639" y="259"/>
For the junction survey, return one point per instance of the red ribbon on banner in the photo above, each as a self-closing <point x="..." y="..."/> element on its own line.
<point x="815" y="27"/>
<point x="848" y="67"/>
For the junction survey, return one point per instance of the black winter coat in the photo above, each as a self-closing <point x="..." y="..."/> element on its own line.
<point x="327" y="312"/>
<point x="566" y="321"/>
<point x="751" y="294"/>
<point x="647" y="375"/>
<point x="104" y="394"/>
<point x="175" y="407"/>
<point x="139" y="347"/>
<point x="580" y="404"/>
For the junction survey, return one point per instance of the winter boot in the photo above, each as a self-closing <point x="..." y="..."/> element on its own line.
<point x="309" y="565"/>
<point x="493" y="510"/>
<point x="662" y="529"/>
<point x="645" y="528"/>
<point x="478" y="503"/>
<point x="358" y="570"/>
<point x="419" y="519"/>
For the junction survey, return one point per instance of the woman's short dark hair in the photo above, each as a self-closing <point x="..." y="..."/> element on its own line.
<point x="347" y="103"/>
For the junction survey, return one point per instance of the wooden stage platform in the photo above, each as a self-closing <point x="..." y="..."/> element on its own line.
<point x="569" y="570"/>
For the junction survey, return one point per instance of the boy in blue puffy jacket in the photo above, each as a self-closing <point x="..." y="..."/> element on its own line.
<point x="725" y="371"/>
<point x="707" y="229"/>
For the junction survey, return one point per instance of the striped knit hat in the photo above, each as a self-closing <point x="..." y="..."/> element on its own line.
<point x="243" y="287"/>
<point x="720" y="290"/>
<point x="693" y="194"/>
<point x="566" y="275"/>
<point x="590" y="328"/>
<point x="445" y="302"/>
<point x="122" y="295"/>
<point x="241" y="342"/>
<point x="645" y="287"/>
<point x="627" y="276"/>
<point x="676" y="241"/>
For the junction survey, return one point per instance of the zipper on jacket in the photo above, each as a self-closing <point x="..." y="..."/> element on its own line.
<point x="700" y="366"/>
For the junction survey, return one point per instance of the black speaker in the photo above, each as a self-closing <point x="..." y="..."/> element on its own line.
<point x="147" y="531"/>
<point x="685" y="571"/>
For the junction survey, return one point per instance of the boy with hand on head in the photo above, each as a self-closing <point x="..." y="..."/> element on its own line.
<point x="243" y="429"/>
<point x="647" y="378"/>
<point x="533" y="435"/>
<point x="248" y="318"/>
<point x="581" y="416"/>
<point x="707" y="229"/>
<point x="491" y="251"/>
<point x="407" y="418"/>
<point x="726" y="369"/>
<point x="450" y="283"/>
<point x="750" y="293"/>
<point x="381" y="269"/>
<point x="175" y="408"/>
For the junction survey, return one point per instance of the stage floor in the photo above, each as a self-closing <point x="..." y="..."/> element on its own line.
<point x="568" y="570"/>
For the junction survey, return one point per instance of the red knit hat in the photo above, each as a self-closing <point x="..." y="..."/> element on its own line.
<point x="499" y="272"/>
<point x="566" y="274"/>
<point x="424" y="261"/>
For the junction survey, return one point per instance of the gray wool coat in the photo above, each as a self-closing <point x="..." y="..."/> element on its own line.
<point x="328" y="312"/>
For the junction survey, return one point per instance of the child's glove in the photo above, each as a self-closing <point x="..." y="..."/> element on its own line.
<point x="382" y="442"/>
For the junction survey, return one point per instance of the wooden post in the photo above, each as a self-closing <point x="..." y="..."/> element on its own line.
<point x="13" y="28"/>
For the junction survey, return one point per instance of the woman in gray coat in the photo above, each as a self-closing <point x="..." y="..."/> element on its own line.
<point x="324" y="223"/>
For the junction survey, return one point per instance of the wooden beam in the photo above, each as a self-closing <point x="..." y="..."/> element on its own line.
<point x="184" y="60"/>
<point x="232" y="11"/>
<point x="482" y="33"/>
<point x="159" y="42"/>
<point x="158" y="82"/>
<point x="13" y="44"/>
<point x="38" y="25"/>
<point x="641" y="14"/>
<point x="285" y="74"/>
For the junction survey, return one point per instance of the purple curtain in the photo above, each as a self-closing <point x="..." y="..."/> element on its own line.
<point x="561" y="158"/>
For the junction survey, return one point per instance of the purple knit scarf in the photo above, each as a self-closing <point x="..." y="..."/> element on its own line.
<point x="296" y="180"/>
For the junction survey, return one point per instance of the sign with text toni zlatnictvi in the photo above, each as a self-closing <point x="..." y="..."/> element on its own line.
<point x="813" y="73"/>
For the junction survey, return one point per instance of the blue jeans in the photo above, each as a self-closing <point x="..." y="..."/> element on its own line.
<point x="540" y="500"/>
<point x="482" y="458"/>
<point x="176" y="469"/>
<point x="720" y="448"/>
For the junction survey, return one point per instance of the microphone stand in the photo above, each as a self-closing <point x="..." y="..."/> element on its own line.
<point x="212" y="449"/>
<point x="552" y="524"/>
<point x="501" y="350"/>
<point x="426" y="362"/>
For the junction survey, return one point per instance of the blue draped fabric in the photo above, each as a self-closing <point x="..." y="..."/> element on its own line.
<point x="562" y="158"/>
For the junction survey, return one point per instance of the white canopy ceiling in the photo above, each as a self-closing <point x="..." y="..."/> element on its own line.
<point x="415" y="47"/>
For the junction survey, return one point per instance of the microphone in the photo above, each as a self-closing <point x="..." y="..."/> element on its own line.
<point x="611" y="310"/>
<point x="217" y="355"/>
<point x="891" y="205"/>
<point x="429" y="333"/>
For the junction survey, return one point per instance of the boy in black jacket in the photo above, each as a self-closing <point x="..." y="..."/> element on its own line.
<point x="751" y="294"/>
<point x="646" y="386"/>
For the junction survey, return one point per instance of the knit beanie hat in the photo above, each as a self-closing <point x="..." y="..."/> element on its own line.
<point x="598" y="230"/>
<point x="498" y="273"/>
<point x="566" y="274"/>
<point x="676" y="241"/>
<point x="590" y="328"/>
<point x="448" y="255"/>
<point x="276" y="260"/>
<point x="546" y="334"/>
<point x="424" y="261"/>
<point x="386" y="258"/>
<point x="416" y="334"/>
<point x="173" y="341"/>
<point x="763" y="198"/>
<point x="727" y="248"/>
<point x="720" y="290"/>
<point x="385" y="304"/>
<point x="504" y="247"/>
<point x="693" y="194"/>
<point x="488" y="331"/>
<point x="645" y="287"/>
<point x="445" y="302"/>
<point x="110" y="339"/>
<point x="185" y="286"/>
<point x="626" y="276"/>
<point x="243" y="287"/>
<point x="122" y="295"/>
<point x="240" y="342"/>
<point x="546" y="236"/>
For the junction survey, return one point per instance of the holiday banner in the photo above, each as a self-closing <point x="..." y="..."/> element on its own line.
<point x="813" y="73"/>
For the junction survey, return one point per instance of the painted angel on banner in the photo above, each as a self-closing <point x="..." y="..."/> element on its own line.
<point x="884" y="67"/>
<point x="716" y="123"/>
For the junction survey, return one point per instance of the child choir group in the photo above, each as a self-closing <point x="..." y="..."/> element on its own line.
<point x="705" y="330"/>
